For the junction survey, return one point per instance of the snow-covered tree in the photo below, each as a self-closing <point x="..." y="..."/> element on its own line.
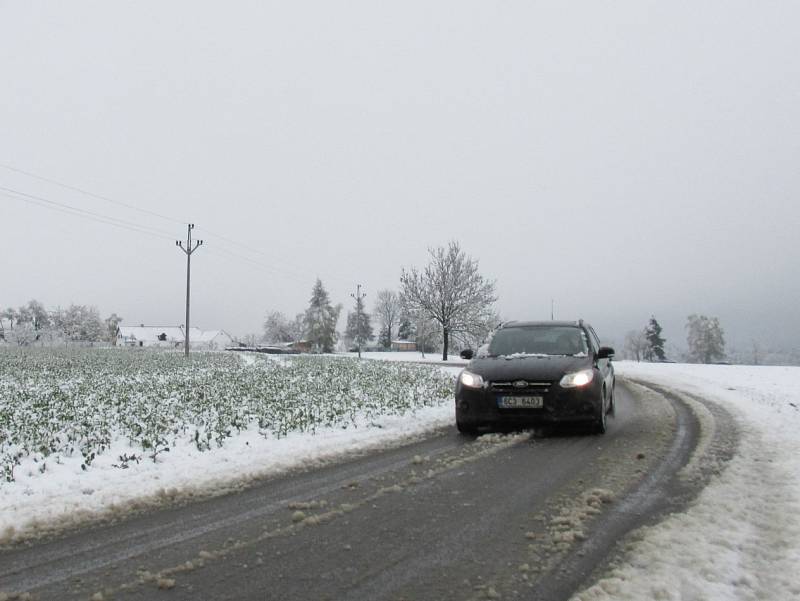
<point x="655" y="343"/>
<point x="9" y="314"/>
<point x="320" y="320"/>
<point x="23" y="334"/>
<point x="450" y="291"/>
<point x="80" y="323"/>
<point x="405" y="330"/>
<point x="279" y="328"/>
<point x="427" y="332"/>
<point x="635" y="345"/>
<point x="359" y="326"/>
<point x="112" y="324"/>
<point x="387" y="310"/>
<point x="705" y="339"/>
<point x="250" y="340"/>
<point x="35" y="314"/>
<point x="478" y="335"/>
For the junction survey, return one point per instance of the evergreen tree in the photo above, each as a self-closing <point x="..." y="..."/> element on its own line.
<point x="358" y="332"/>
<point x="320" y="320"/>
<point x="405" y="330"/>
<point x="655" y="343"/>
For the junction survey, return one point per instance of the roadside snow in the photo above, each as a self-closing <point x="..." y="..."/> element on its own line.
<point x="69" y="495"/>
<point x="408" y="356"/>
<point x="741" y="538"/>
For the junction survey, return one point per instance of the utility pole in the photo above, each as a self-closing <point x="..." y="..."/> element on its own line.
<point x="189" y="249"/>
<point x="359" y="297"/>
<point x="552" y="309"/>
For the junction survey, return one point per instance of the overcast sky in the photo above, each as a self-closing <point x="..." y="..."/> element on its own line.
<point x="623" y="158"/>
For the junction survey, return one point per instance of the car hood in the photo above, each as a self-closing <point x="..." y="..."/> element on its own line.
<point x="528" y="367"/>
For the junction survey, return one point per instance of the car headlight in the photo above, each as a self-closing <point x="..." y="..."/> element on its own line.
<point x="577" y="378"/>
<point x="471" y="380"/>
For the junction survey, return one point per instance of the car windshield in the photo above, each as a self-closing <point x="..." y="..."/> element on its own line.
<point x="538" y="340"/>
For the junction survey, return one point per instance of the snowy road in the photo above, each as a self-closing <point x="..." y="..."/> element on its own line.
<point x="516" y="516"/>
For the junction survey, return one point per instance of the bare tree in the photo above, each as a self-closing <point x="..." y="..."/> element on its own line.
<point x="35" y="314"/>
<point x="387" y="309"/>
<point x="705" y="338"/>
<point x="277" y="328"/>
<point x="426" y="331"/>
<point x="80" y="323"/>
<point x="450" y="291"/>
<point x="11" y="315"/>
<point x="636" y="344"/>
<point x="479" y="335"/>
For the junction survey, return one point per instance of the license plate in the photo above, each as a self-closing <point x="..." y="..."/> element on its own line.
<point x="519" y="402"/>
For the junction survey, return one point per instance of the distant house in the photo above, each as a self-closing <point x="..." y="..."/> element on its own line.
<point x="150" y="336"/>
<point x="171" y="337"/>
<point x="404" y="345"/>
<point x="212" y="340"/>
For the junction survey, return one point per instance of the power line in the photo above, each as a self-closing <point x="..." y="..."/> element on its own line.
<point x="88" y="193"/>
<point x="96" y="217"/>
<point x="148" y="212"/>
<point x="52" y="205"/>
<point x="225" y="253"/>
<point x="260" y="252"/>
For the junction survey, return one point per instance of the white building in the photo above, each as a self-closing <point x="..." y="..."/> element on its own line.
<point x="212" y="340"/>
<point x="172" y="337"/>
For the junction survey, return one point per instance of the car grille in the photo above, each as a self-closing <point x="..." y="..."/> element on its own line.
<point x="516" y="386"/>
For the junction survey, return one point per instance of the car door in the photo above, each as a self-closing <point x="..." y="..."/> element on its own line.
<point x="603" y="365"/>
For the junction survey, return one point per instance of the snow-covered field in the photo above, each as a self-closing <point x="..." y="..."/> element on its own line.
<point x="104" y="431"/>
<point x="741" y="538"/>
<point x="410" y="356"/>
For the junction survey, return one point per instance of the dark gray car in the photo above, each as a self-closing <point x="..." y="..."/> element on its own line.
<point x="533" y="373"/>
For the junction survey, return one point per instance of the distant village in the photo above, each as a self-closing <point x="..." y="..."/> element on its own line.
<point x="172" y="337"/>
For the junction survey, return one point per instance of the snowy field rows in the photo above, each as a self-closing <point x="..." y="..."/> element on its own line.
<point x="57" y="405"/>
<point x="86" y="435"/>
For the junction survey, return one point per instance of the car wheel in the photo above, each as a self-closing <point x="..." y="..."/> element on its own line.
<point x="466" y="428"/>
<point x="600" y="422"/>
<point x="612" y="406"/>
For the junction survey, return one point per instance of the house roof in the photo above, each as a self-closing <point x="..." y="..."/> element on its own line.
<point x="206" y="335"/>
<point x="151" y="333"/>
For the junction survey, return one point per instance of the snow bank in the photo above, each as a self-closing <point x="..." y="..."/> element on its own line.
<point x="741" y="538"/>
<point x="408" y="356"/>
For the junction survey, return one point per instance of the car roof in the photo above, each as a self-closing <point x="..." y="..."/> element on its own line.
<point x="525" y="324"/>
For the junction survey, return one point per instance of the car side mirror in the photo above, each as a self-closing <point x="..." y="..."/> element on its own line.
<point x="605" y="352"/>
<point x="466" y="354"/>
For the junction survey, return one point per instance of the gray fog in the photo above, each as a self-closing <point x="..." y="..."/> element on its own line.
<point x="624" y="159"/>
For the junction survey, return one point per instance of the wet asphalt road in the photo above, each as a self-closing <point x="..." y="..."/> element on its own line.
<point x="527" y="516"/>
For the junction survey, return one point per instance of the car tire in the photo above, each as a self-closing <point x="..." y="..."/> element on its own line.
<point x="612" y="405"/>
<point x="466" y="428"/>
<point x="600" y="421"/>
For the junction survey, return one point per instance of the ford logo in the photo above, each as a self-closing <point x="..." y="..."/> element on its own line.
<point x="520" y="384"/>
